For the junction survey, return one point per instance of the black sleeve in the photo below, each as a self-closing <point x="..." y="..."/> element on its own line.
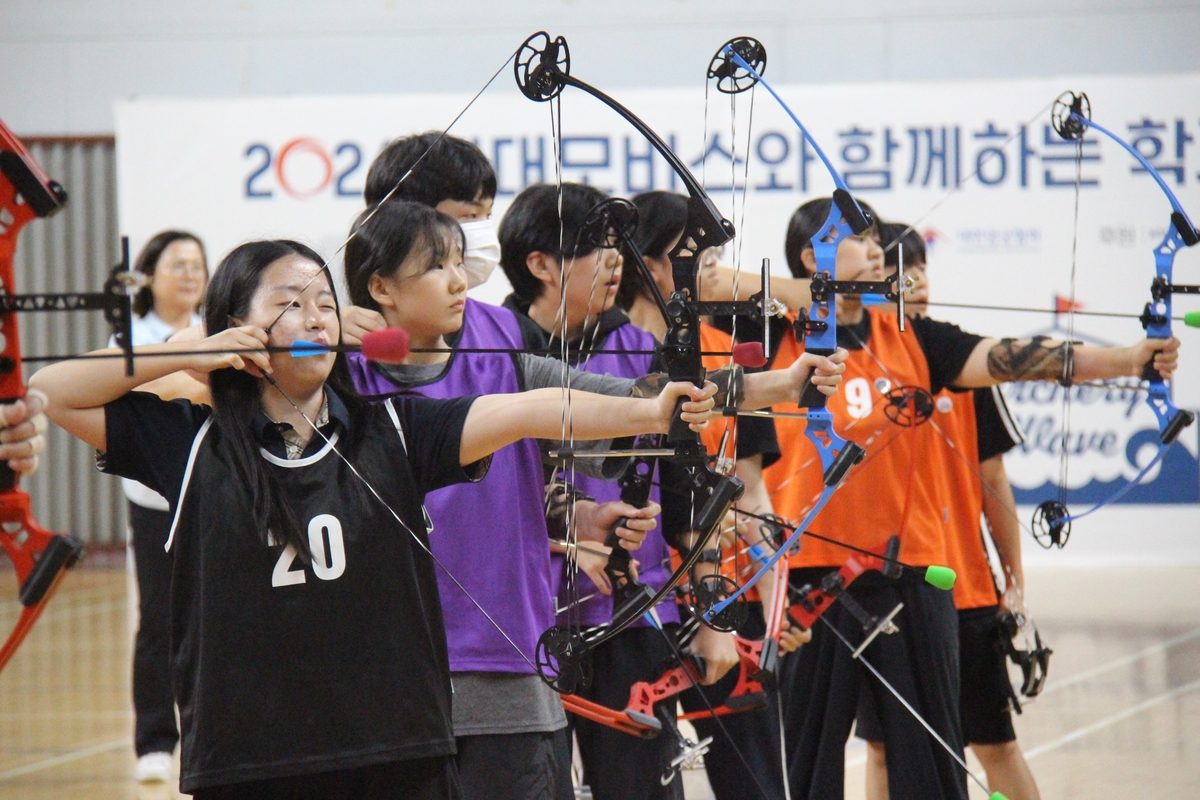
<point x="433" y="438"/>
<point x="994" y="426"/>
<point x="149" y="440"/>
<point x="756" y="437"/>
<point x="947" y="348"/>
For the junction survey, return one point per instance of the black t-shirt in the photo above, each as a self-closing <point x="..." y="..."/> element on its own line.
<point x="995" y="429"/>
<point x="285" y="667"/>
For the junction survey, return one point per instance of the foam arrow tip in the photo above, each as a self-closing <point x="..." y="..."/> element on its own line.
<point x="388" y="346"/>
<point x="1192" y="319"/>
<point x="749" y="354"/>
<point x="942" y="578"/>
<point x="997" y="796"/>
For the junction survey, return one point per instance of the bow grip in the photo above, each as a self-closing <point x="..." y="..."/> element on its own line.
<point x="810" y="396"/>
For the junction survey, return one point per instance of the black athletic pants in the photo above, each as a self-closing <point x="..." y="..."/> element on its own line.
<point x="153" y="701"/>
<point x="515" y="766"/>
<point x="820" y="685"/>
<point x="414" y="779"/>
<point x="747" y="738"/>
<point x="618" y="766"/>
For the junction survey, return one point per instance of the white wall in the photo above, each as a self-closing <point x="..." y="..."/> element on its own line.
<point x="63" y="62"/>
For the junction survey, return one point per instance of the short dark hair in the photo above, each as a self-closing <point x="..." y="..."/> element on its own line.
<point x="662" y="216"/>
<point x="395" y="230"/>
<point x="532" y="225"/>
<point x="147" y="261"/>
<point x="804" y="224"/>
<point x="914" y="244"/>
<point x="450" y="169"/>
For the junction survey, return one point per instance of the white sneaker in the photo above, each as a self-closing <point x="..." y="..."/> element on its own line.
<point x="154" y="767"/>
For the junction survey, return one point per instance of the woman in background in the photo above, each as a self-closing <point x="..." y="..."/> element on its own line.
<point x="175" y="263"/>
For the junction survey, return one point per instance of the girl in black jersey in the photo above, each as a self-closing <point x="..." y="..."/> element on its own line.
<point x="308" y="652"/>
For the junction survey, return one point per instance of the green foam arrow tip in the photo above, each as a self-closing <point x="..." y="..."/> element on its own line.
<point x="942" y="578"/>
<point x="1192" y="319"/>
<point x="997" y="796"/>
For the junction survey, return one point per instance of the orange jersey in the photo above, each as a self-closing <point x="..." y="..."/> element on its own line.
<point x="889" y="492"/>
<point x="958" y="449"/>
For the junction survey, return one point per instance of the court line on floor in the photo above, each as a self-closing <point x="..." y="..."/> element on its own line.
<point x="1112" y="720"/>
<point x="1121" y="662"/>
<point x="65" y="758"/>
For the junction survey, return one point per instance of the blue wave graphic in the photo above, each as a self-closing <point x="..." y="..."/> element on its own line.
<point x="1178" y="480"/>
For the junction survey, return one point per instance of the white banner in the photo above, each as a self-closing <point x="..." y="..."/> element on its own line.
<point x="974" y="163"/>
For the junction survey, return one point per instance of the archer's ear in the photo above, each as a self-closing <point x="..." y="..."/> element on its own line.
<point x="808" y="257"/>
<point x="377" y="287"/>
<point x="544" y="267"/>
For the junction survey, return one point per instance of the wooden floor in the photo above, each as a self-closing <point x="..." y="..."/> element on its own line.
<point x="1120" y="717"/>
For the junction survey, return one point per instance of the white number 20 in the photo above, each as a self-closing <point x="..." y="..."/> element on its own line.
<point x="858" y="397"/>
<point x="320" y="528"/>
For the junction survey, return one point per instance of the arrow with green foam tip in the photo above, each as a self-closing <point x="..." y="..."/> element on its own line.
<point x="1192" y="319"/>
<point x="943" y="578"/>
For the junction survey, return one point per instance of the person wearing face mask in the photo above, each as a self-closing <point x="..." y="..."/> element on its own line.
<point x="175" y="263"/>
<point x="453" y="176"/>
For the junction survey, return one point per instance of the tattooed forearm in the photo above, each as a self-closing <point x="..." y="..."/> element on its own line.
<point x="1036" y="359"/>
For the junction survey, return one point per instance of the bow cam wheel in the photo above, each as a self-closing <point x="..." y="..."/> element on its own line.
<point x="732" y="78"/>
<point x="909" y="406"/>
<point x="541" y="65"/>
<point x="1069" y="113"/>
<point x="562" y="660"/>
<point x="712" y="589"/>
<point x="1051" y="524"/>
<point x="607" y="223"/>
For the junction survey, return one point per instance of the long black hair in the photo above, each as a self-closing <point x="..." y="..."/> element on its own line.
<point x="237" y="394"/>
<point x="147" y="261"/>
<point x="396" y="230"/>
<point x="804" y="224"/>
<point x="662" y="216"/>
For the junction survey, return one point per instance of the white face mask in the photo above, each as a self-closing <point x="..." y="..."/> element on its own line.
<point x="482" y="254"/>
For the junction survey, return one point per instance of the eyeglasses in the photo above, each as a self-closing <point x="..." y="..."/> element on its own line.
<point x="181" y="268"/>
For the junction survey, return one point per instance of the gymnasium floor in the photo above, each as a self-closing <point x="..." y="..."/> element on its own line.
<point x="1120" y="718"/>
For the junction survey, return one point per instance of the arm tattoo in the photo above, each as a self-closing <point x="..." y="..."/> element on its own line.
<point x="1036" y="359"/>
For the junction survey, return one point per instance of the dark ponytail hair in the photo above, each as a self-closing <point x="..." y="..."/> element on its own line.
<point x="394" y="231"/>
<point x="147" y="261"/>
<point x="236" y="393"/>
<point x="662" y="216"/>
<point x="804" y="224"/>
